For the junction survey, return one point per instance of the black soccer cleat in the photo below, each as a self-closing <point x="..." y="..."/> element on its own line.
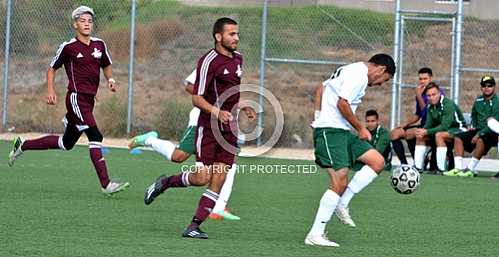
<point x="194" y="232"/>
<point x="16" y="151"/>
<point x="419" y="170"/>
<point x="154" y="190"/>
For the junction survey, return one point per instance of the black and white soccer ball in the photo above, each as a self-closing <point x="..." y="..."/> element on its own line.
<point x="405" y="179"/>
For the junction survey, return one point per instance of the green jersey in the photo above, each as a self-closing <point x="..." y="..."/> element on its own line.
<point x="380" y="139"/>
<point x="483" y="109"/>
<point x="444" y="116"/>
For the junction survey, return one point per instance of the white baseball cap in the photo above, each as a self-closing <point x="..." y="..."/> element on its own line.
<point x="82" y="10"/>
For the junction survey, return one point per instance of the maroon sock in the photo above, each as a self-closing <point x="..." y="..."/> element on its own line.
<point x="179" y="180"/>
<point x="99" y="163"/>
<point x="206" y="204"/>
<point x="42" y="143"/>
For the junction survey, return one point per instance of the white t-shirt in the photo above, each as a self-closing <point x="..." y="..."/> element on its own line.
<point x="348" y="82"/>
<point x="194" y="114"/>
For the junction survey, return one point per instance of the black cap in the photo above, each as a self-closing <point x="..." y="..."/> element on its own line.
<point x="487" y="80"/>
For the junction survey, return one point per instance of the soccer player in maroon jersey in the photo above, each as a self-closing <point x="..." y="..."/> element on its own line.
<point x="218" y="72"/>
<point x="82" y="57"/>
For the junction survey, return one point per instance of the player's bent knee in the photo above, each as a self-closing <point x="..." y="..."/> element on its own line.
<point x="68" y="143"/>
<point x="377" y="163"/>
<point x="374" y="160"/>
<point x="395" y="134"/>
<point x="441" y="135"/>
<point x="93" y="134"/>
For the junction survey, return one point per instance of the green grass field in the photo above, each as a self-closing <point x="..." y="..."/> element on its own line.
<point x="50" y="205"/>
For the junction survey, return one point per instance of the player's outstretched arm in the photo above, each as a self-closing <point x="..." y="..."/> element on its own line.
<point x="346" y="111"/>
<point x="108" y="74"/>
<point x="51" y="95"/>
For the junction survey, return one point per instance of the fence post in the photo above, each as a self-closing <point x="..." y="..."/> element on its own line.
<point x="262" y="69"/>
<point x="457" y="67"/>
<point x="130" y="70"/>
<point x="6" y="64"/>
<point x="396" y="49"/>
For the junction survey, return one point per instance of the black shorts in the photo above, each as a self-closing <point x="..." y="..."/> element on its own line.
<point x="489" y="140"/>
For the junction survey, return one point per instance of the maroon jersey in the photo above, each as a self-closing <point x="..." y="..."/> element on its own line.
<point x="215" y="74"/>
<point x="82" y="63"/>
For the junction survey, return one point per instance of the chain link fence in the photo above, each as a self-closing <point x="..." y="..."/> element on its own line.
<point x="305" y="43"/>
<point x="37" y="30"/>
<point x="171" y="37"/>
<point x="3" y="10"/>
<point x="480" y="57"/>
<point x="427" y="41"/>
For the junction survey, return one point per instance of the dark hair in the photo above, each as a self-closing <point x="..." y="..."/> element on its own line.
<point x="372" y="113"/>
<point x="218" y="27"/>
<point x="384" y="60"/>
<point x="430" y="86"/>
<point x="425" y="70"/>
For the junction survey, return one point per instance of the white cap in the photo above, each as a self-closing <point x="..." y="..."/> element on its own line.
<point x="82" y="10"/>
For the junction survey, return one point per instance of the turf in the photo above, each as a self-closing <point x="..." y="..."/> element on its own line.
<point x="50" y="205"/>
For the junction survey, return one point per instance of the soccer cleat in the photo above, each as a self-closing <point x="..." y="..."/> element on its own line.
<point x="452" y="173"/>
<point x="344" y="216"/>
<point x="320" y="240"/>
<point x="194" y="233"/>
<point x="215" y="216"/>
<point x="154" y="190"/>
<point x="114" y="187"/>
<point x="140" y="140"/>
<point x="223" y="215"/>
<point x="16" y="150"/>
<point x="466" y="173"/>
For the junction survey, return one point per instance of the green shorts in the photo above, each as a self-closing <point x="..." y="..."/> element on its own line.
<point x="454" y="131"/>
<point x="337" y="148"/>
<point x="186" y="144"/>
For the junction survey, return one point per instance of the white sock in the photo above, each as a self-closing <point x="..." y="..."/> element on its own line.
<point x="473" y="163"/>
<point x="441" y="155"/>
<point x="360" y="180"/>
<point x="419" y="153"/>
<point x="458" y="162"/>
<point x="346" y="197"/>
<point x="164" y="147"/>
<point x="326" y="209"/>
<point x="493" y="125"/>
<point x="223" y="197"/>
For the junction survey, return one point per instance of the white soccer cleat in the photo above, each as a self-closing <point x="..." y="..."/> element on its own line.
<point x="320" y="240"/>
<point x="16" y="150"/>
<point x="343" y="215"/>
<point x="114" y="187"/>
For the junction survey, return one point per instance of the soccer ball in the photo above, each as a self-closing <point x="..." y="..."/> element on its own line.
<point x="405" y="179"/>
